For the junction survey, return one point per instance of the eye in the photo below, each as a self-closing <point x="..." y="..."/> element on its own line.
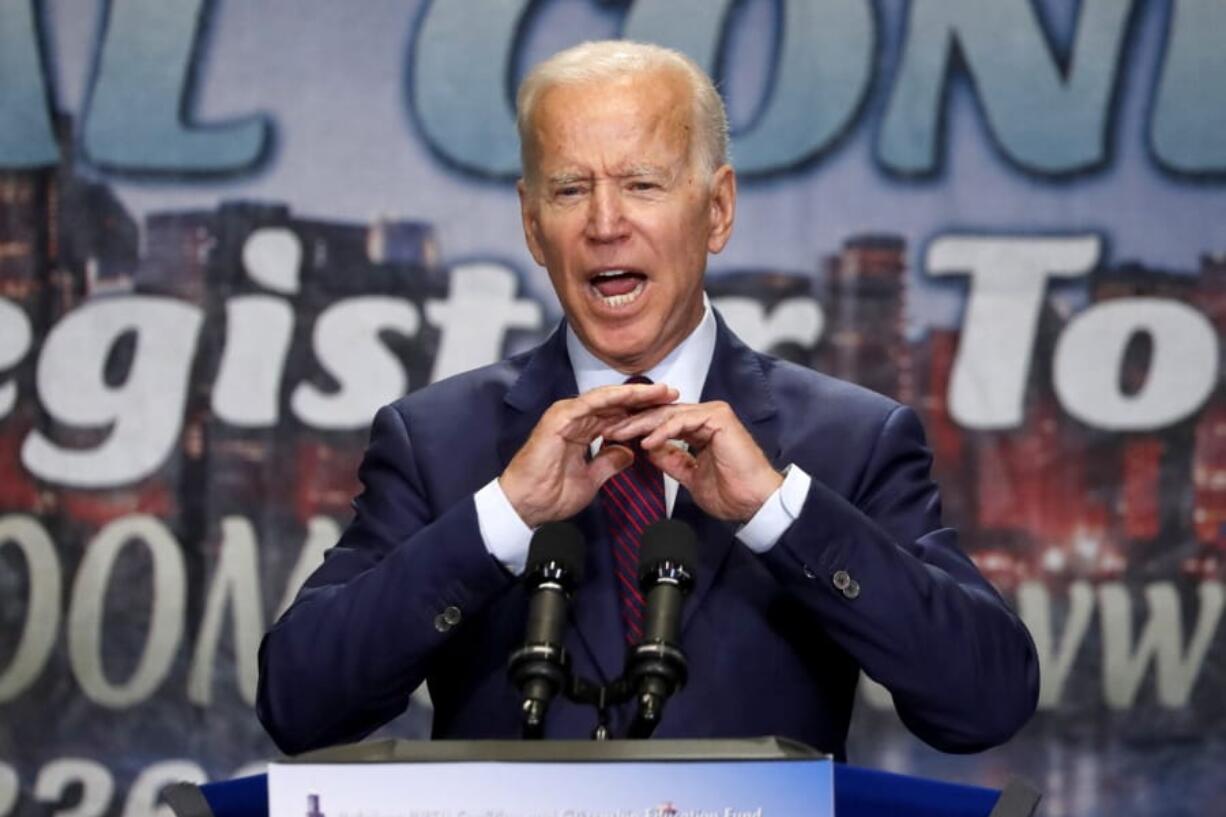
<point x="569" y="192"/>
<point x="643" y="186"/>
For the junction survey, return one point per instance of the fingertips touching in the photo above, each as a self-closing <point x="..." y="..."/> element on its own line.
<point x="658" y="437"/>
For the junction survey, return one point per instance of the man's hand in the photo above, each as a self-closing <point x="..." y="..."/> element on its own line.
<point x="724" y="470"/>
<point x="551" y="478"/>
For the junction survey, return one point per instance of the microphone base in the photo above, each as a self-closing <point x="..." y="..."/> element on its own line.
<point x="660" y="661"/>
<point x="657" y="671"/>
<point x="539" y="672"/>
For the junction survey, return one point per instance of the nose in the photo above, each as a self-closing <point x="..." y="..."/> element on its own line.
<point x="606" y="221"/>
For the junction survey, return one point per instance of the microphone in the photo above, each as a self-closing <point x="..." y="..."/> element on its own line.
<point x="539" y="668"/>
<point x="657" y="666"/>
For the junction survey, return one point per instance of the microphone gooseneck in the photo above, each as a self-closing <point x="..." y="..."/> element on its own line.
<point x="539" y="668"/>
<point x="657" y="666"/>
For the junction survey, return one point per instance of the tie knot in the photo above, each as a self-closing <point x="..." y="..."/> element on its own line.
<point x="635" y="445"/>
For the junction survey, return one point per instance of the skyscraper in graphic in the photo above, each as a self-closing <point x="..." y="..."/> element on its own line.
<point x="1031" y="480"/>
<point x="933" y="360"/>
<point x="765" y="290"/>
<point x="1153" y="467"/>
<point x="210" y="258"/>
<point x="864" y="297"/>
<point x="63" y="238"/>
<point x="1209" y="478"/>
<point x="27" y="211"/>
<point x="26" y="219"/>
<point x="1209" y="454"/>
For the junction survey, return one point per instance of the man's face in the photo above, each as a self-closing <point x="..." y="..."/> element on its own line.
<point x="617" y="212"/>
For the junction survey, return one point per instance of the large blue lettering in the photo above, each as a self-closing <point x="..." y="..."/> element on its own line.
<point x="140" y="98"/>
<point x="26" y="136"/>
<point x="822" y="73"/>
<point x="823" y="69"/>
<point x="1188" y="130"/>
<point x="693" y="27"/>
<point x="459" y="84"/>
<point x="1043" y="121"/>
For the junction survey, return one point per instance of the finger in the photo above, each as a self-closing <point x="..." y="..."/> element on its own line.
<point x="590" y="425"/>
<point x="644" y="422"/>
<point x="610" y="460"/>
<point x="695" y="426"/>
<point x="628" y="396"/>
<point x="605" y="425"/>
<point x="575" y="421"/>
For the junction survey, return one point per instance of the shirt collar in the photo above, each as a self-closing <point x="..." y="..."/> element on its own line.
<point x="684" y="368"/>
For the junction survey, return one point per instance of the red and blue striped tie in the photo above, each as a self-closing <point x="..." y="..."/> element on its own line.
<point x="632" y="499"/>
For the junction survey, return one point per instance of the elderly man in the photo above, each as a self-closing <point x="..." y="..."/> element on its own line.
<point x="822" y="550"/>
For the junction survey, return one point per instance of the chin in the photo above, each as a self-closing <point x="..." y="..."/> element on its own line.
<point x="623" y="352"/>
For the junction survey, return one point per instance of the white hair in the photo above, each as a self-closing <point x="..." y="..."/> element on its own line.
<point x="610" y="59"/>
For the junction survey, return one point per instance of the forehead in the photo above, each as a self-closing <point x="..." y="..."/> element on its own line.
<point x="611" y="123"/>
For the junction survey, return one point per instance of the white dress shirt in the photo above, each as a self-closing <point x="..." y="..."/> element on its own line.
<point x="685" y="369"/>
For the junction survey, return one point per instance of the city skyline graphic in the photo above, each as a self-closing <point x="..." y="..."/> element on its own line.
<point x="1051" y="503"/>
<point x="1052" y="497"/>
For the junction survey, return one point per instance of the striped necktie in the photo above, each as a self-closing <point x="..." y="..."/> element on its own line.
<point x="632" y="500"/>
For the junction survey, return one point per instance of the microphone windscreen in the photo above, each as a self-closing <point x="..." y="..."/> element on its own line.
<point x="669" y="540"/>
<point x="559" y="542"/>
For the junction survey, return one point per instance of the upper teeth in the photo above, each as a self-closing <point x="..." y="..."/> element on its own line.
<point x="609" y="273"/>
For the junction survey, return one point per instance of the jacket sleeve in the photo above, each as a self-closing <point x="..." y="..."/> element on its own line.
<point x="891" y="586"/>
<point x="359" y="638"/>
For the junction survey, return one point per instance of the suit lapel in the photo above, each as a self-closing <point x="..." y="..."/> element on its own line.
<point x="546" y="378"/>
<point x="736" y="377"/>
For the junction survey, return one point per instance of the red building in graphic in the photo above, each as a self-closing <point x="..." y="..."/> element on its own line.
<point x="1209" y="478"/>
<point x="1209" y="452"/>
<point x="865" y="303"/>
<point x="62" y="238"/>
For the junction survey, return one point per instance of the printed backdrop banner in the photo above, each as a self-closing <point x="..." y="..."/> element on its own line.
<point x="229" y="231"/>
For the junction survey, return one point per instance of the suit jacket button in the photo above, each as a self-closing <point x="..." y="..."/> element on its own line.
<point x="447" y="619"/>
<point x="852" y="590"/>
<point x="842" y="579"/>
<point x="808" y="571"/>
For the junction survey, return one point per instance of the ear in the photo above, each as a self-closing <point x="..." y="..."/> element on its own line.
<point x="528" y="213"/>
<point x="723" y="207"/>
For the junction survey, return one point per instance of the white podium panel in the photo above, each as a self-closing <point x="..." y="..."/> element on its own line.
<point x="615" y="788"/>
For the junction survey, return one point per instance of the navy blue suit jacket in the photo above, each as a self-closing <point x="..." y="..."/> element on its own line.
<point x="774" y="646"/>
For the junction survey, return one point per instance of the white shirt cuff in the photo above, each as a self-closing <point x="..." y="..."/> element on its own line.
<point x="777" y="513"/>
<point x="505" y="535"/>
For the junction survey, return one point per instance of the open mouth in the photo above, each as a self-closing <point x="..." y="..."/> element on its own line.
<point x="619" y="287"/>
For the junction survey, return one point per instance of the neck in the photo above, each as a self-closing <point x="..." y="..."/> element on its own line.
<point x="583" y="356"/>
<point x="641" y="364"/>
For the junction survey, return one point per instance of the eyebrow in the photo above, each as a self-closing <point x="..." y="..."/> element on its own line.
<point x="568" y="178"/>
<point x="644" y="170"/>
<point x="630" y="172"/>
